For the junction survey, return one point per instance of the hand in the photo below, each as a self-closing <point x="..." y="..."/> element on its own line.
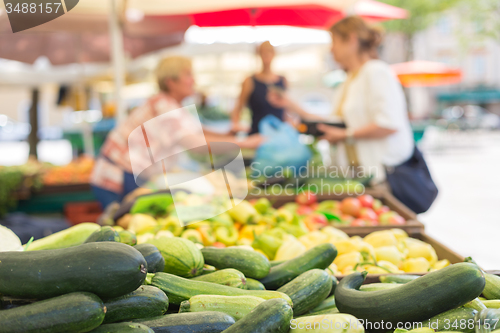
<point x="332" y="133"/>
<point x="252" y="141"/>
<point x="278" y="99"/>
<point x="237" y="127"/>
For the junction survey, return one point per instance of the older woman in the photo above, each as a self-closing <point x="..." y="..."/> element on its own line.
<point x="371" y="102"/>
<point x="112" y="177"/>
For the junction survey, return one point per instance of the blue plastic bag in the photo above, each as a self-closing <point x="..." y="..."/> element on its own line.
<point x="282" y="148"/>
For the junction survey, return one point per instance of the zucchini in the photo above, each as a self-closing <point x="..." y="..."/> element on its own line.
<point x="145" y="302"/>
<point x="335" y="282"/>
<point x="308" y="290"/>
<point x="322" y="312"/>
<point x="254" y="285"/>
<point x="156" y="262"/>
<point x="226" y="277"/>
<point x="105" y="234"/>
<point x="235" y="306"/>
<point x="127" y="237"/>
<point x="123" y="328"/>
<point x="415" y="301"/>
<point x="334" y="323"/>
<point x="251" y="263"/>
<point x="320" y="256"/>
<point x="190" y="322"/>
<point x="492" y="288"/>
<point x="487" y="320"/>
<point x="271" y="316"/>
<point x="328" y="303"/>
<point x="475" y="304"/>
<point x="398" y="278"/>
<point x="378" y="286"/>
<point x="74" y="312"/>
<point x="492" y="304"/>
<point x="459" y="317"/>
<point x="107" y="269"/>
<point x="180" y="289"/>
<point x="276" y="262"/>
<point x="72" y="236"/>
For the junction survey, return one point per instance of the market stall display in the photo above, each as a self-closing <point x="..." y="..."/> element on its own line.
<point x="108" y="289"/>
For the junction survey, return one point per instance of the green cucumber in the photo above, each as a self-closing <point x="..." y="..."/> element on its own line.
<point x="320" y="256"/>
<point x="308" y="290"/>
<point x="180" y="289"/>
<point x="378" y="286"/>
<point x="226" y="277"/>
<point x="127" y="237"/>
<point x="398" y="278"/>
<point x="190" y="322"/>
<point x="74" y="312"/>
<point x="492" y="304"/>
<point x="487" y="320"/>
<point x="271" y="316"/>
<point x="107" y="269"/>
<point x="251" y="263"/>
<point x="235" y="306"/>
<point x="156" y="262"/>
<point x="72" y="236"/>
<point x="105" y="234"/>
<point x="123" y="328"/>
<point x="254" y="285"/>
<point x="461" y="317"/>
<point x="415" y="301"/>
<point x="328" y="303"/>
<point x="145" y="302"/>
<point x="330" y="322"/>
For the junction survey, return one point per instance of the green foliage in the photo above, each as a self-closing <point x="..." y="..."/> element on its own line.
<point x="422" y="13"/>
<point x="483" y="17"/>
<point x="10" y="180"/>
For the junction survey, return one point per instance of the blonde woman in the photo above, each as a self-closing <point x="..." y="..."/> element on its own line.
<point x="371" y="103"/>
<point x="112" y="177"/>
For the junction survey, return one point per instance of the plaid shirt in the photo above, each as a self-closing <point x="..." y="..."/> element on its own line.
<point x="115" y="159"/>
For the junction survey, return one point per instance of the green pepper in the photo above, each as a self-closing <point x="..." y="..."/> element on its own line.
<point x="243" y="212"/>
<point x="330" y="216"/>
<point x="296" y="230"/>
<point x="290" y="206"/>
<point x="228" y="236"/>
<point x="268" y="242"/>
<point x="222" y="220"/>
<point x="328" y="205"/>
<point x="171" y="224"/>
<point x="262" y="205"/>
<point x="283" y="215"/>
<point x="155" y="204"/>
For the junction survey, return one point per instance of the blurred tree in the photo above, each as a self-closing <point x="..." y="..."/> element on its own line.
<point x="484" y="16"/>
<point x="422" y="13"/>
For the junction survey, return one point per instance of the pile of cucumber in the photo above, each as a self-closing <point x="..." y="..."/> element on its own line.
<point x="103" y="285"/>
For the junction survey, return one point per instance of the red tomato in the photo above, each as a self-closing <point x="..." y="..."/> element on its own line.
<point x="359" y="223"/>
<point x="367" y="214"/>
<point x="305" y="198"/>
<point x="314" y="206"/>
<point x="304" y="210"/>
<point x="252" y="201"/>
<point x="366" y="200"/>
<point x="397" y="219"/>
<point x="219" y="244"/>
<point x="382" y="210"/>
<point x="376" y="204"/>
<point x="315" y="221"/>
<point x="350" y="206"/>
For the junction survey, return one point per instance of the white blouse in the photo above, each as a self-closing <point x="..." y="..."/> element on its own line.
<point x="375" y="95"/>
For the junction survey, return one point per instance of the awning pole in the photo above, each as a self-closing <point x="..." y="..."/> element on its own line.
<point x="118" y="59"/>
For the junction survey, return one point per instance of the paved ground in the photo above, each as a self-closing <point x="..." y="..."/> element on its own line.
<point x="466" y="214"/>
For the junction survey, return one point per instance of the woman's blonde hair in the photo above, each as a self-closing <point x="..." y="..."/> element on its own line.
<point x="170" y="68"/>
<point x="369" y="37"/>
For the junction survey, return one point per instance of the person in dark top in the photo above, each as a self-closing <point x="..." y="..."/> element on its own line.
<point x="264" y="93"/>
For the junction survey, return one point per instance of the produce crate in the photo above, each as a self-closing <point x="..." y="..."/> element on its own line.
<point x="412" y="226"/>
<point x="442" y="251"/>
<point x="79" y="212"/>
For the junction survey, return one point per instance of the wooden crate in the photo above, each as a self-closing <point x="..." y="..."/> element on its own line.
<point x="411" y="227"/>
